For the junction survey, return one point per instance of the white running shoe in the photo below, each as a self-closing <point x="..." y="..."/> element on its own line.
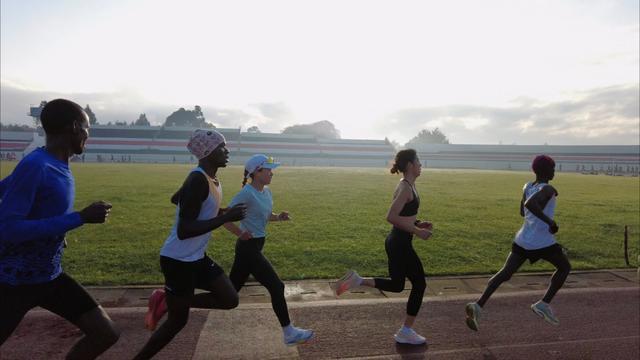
<point x="543" y="310"/>
<point x="350" y="280"/>
<point x="298" y="336"/>
<point x="473" y="314"/>
<point x="409" y="336"/>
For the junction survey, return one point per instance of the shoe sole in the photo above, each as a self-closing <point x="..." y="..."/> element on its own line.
<point x="408" y="342"/>
<point x="149" y="321"/>
<point x="544" y="316"/>
<point x="303" y="341"/>
<point x="472" y="323"/>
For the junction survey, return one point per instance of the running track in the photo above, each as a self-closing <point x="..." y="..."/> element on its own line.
<point x="602" y="323"/>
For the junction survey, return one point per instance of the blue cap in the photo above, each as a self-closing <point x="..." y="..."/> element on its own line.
<point x="260" y="161"/>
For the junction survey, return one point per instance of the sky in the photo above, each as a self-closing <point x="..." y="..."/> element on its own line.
<point x="483" y="72"/>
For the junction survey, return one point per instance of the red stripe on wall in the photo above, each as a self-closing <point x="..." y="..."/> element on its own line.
<point x="13" y="145"/>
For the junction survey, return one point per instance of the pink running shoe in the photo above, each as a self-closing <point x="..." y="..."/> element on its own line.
<point x="350" y="280"/>
<point x="157" y="309"/>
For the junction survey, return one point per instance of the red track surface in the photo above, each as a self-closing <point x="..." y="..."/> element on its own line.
<point x="595" y="324"/>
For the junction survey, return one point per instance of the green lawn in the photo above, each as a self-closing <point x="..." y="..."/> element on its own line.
<point x="339" y="220"/>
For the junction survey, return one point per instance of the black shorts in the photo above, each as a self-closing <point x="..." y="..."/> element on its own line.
<point x="62" y="296"/>
<point x="534" y="255"/>
<point x="181" y="278"/>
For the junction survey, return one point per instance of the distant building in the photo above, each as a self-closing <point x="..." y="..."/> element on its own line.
<point x="518" y="157"/>
<point x="157" y="144"/>
<point x="163" y="144"/>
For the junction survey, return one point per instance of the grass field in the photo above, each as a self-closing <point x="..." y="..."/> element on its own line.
<point x="339" y="220"/>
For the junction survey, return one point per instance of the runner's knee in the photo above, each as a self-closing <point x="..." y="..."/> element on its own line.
<point x="111" y="335"/>
<point x="106" y="336"/>
<point x="276" y="288"/>
<point x="231" y="301"/>
<point x="565" y="267"/>
<point x="397" y="285"/>
<point x="419" y="283"/>
<point x="503" y="275"/>
<point x="176" y="322"/>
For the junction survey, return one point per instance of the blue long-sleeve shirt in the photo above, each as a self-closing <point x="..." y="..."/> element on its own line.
<point x="35" y="213"/>
<point x="3" y="186"/>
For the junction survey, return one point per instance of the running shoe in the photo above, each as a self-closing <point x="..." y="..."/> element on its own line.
<point x="157" y="309"/>
<point x="350" y="280"/>
<point x="298" y="336"/>
<point x="543" y="310"/>
<point x="409" y="336"/>
<point x="473" y="314"/>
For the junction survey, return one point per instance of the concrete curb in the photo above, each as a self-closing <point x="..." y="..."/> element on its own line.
<point x="441" y="286"/>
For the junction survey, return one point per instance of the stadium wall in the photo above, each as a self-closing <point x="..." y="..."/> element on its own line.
<point x="157" y="144"/>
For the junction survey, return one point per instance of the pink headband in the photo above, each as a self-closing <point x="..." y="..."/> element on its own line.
<point x="203" y="142"/>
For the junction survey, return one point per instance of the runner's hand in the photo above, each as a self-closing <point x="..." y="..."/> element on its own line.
<point x="423" y="234"/>
<point x="553" y="227"/>
<point x="246" y="235"/>
<point x="425" y="225"/>
<point x="95" y="213"/>
<point x="235" y="213"/>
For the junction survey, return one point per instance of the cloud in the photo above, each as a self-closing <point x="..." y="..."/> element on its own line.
<point x="269" y="117"/>
<point x="127" y="105"/>
<point x="115" y="106"/>
<point x="225" y="117"/>
<point x="277" y="111"/>
<point x="605" y="115"/>
<point x="608" y="115"/>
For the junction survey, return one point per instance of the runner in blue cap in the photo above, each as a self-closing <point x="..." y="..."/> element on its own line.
<point x="251" y="233"/>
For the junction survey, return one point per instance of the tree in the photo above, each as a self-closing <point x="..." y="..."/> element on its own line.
<point x="428" y="137"/>
<point x="92" y="116"/>
<point x="253" y="129"/>
<point x="323" y="129"/>
<point x="142" y="120"/>
<point x="197" y="111"/>
<point x="188" y="118"/>
<point x="393" y="143"/>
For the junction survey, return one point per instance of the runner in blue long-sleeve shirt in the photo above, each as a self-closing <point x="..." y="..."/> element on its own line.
<point x="36" y="211"/>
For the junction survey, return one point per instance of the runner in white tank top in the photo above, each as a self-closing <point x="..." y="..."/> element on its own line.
<point x="534" y="233"/>
<point x="183" y="261"/>
<point x="535" y="240"/>
<point x="195" y="248"/>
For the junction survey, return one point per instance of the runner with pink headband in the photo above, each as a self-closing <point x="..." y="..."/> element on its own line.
<point x="183" y="260"/>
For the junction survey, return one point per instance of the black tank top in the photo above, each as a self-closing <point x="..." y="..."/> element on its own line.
<point x="411" y="208"/>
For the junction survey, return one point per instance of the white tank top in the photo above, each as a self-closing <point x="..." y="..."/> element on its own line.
<point x="193" y="249"/>
<point x="534" y="233"/>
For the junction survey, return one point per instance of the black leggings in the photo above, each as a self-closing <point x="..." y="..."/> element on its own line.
<point x="517" y="257"/>
<point x="249" y="260"/>
<point x="403" y="263"/>
<point x="63" y="296"/>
